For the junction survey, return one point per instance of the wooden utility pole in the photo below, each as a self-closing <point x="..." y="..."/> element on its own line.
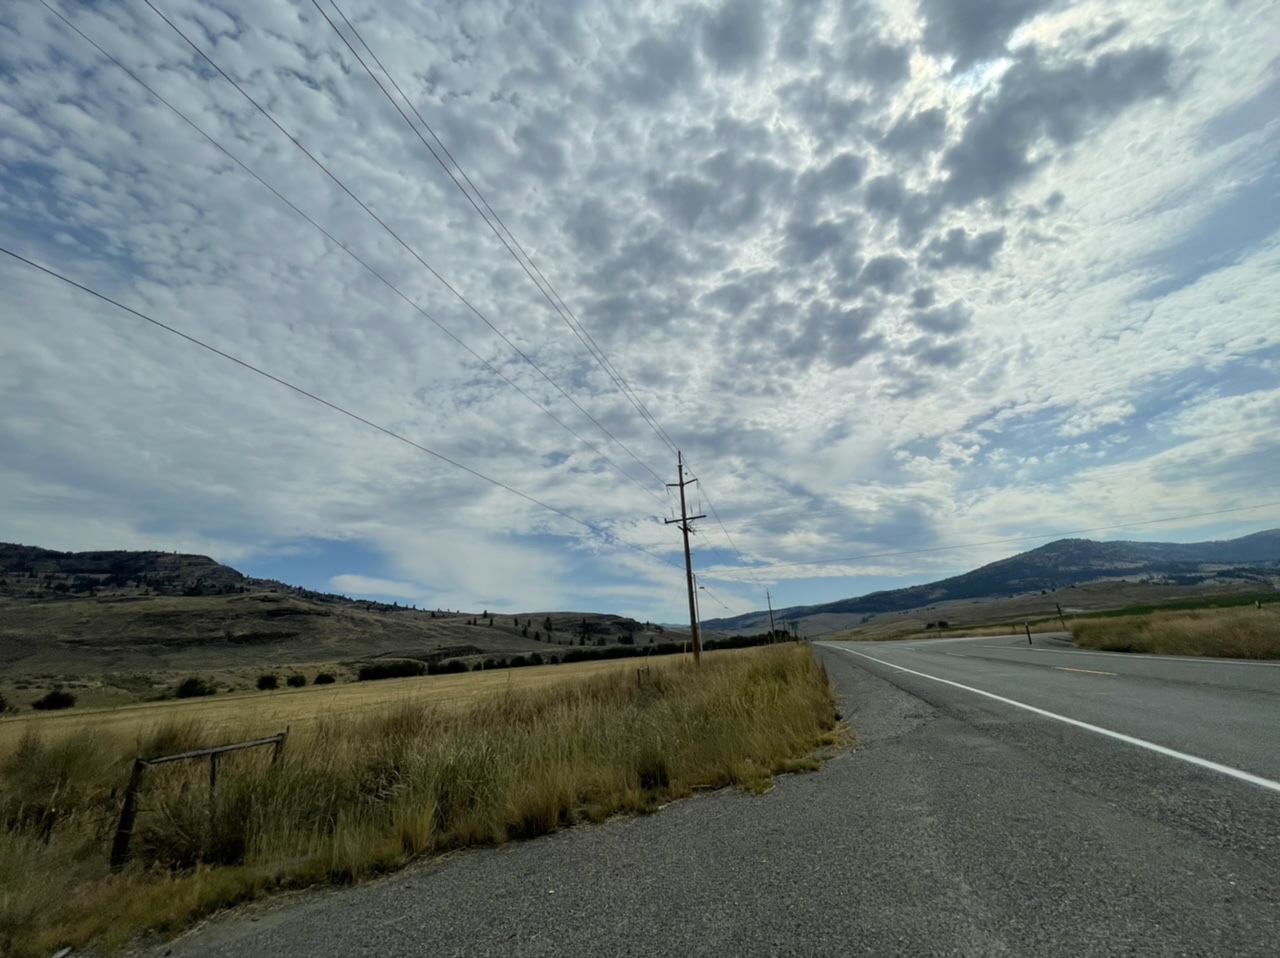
<point x="684" y="521"/>
<point x="768" y="598"/>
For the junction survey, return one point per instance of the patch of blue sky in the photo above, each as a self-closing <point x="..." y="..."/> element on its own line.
<point x="313" y="562"/>
<point x="34" y="210"/>
<point x="1232" y="230"/>
<point x="1036" y="447"/>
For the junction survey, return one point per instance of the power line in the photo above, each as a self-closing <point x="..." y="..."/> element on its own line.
<point x="466" y="302"/>
<point x="603" y="533"/>
<point x="557" y="303"/>
<point x="346" y="249"/>
<point x="990" y="542"/>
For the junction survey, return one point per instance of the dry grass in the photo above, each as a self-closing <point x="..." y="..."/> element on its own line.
<point x="359" y="795"/>
<point x="272" y="711"/>
<point x="1241" y="633"/>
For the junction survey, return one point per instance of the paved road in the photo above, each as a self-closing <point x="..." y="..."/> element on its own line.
<point x="961" y="825"/>
<point x="1220" y="710"/>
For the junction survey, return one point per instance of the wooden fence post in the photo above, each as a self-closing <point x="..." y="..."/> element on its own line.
<point x="128" y="814"/>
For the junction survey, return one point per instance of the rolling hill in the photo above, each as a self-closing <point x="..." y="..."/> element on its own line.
<point x="66" y="614"/>
<point x="1066" y="562"/>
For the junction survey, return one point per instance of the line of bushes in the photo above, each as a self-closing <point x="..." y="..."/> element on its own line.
<point x="408" y="668"/>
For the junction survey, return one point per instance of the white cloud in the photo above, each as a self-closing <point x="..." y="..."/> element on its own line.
<point x="364" y="585"/>
<point x="1093" y="372"/>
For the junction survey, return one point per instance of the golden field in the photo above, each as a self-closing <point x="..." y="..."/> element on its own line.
<point x="373" y="776"/>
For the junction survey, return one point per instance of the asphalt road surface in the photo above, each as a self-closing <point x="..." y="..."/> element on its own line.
<point x="1085" y="805"/>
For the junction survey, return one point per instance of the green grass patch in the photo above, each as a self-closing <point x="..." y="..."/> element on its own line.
<point x="356" y="797"/>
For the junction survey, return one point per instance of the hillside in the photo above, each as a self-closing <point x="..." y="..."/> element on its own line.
<point x="65" y="615"/>
<point x="1252" y="559"/>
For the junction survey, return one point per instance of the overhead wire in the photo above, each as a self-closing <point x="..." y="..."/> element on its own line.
<point x="355" y="256"/>
<point x="562" y="308"/>
<point x="549" y="292"/>
<point x="598" y="530"/>
<point x="396" y="236"/>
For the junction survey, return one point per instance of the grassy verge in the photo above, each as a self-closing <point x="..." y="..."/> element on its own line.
<point x="1241" y="633"/>
<point x="357" y="796"/>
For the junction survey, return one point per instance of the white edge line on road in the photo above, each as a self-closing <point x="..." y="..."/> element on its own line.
<point x="1119" y="736"/>
<point x="1067" y="668"/>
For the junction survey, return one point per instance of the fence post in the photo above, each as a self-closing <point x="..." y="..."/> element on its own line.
<point x="128" y="814"/>
<point x="275" y="754"/>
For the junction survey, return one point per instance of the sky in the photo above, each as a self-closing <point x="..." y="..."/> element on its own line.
<point x="912" y="286"/>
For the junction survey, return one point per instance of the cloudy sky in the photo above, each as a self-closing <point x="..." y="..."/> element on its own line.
<point x="913" y="285"/>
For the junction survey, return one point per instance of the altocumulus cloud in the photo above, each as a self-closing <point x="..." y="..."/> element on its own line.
<point x="892" y="276"/>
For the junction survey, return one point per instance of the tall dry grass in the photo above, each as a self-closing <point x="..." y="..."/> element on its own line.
<point x="353" y="797"/>
<point x="1239" y="633"/>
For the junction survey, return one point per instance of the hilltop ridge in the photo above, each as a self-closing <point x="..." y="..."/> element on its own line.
<point x="1060" y="564"/>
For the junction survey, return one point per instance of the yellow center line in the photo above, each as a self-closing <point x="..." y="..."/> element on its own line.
<point x="1063" y="668"/>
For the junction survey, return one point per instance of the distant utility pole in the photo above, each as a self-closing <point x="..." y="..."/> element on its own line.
<point x="684" y="521"/>
<point x="768" y="598"/>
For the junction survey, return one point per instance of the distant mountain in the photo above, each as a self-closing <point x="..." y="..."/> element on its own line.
<point x="1056" y="565"/>
<point x="29" y="571"/>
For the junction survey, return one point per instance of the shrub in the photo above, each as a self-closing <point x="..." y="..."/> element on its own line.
<point x="296" y="681"/>
<point x="391" y="670"/>
<point x="194" y="687"/>
<point x="324" y="678"/>
<point x="268" y="681"/>
<point x="448" y="667"/>
<point x="56" y="699"/>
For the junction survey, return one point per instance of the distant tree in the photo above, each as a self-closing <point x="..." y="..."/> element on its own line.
<point x="391" y="670"/>
<point x="194" y="687"/>
<point x="296" y="681"/>
<point x="56" y="699"/>
<point x="323" y="678"/>
<point x="490" y="621"/>
<point x="546" y="623"/>
<point x="484" y="614"/>
<point x="525" y="632"/>
<point x="537" y="636"/>
<point x="535" y="658"/>
<point x="4" y="705"/>
<point x="268" y="681"/>
<point x="582" y="640"/>
<point x="515" y="623"/>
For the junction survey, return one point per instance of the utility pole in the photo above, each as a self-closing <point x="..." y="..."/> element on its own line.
<point x="684" y="521"/>
<point x="768" y="598"/>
